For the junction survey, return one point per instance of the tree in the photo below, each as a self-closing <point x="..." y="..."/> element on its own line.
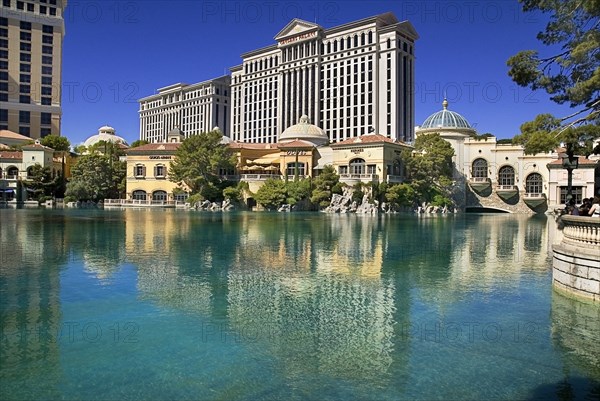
<point x="97" y="176"/>
<point x="139" y="142"/>
<point x="324" y="185"/>
<point x="198" y="160"/>
<point x="271" y="194"/>
<point x="429" y="167"/>
<point x="40" y="181"/>
<point x="58" y="143"/>
<point x="572" y="76"/>
<point x="401" y="195"/>
<point x="297" y="191"/>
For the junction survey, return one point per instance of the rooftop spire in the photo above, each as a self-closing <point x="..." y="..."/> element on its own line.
<point x="445" y="104"/>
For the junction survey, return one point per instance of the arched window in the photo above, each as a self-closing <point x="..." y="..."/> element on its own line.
<point x="29" y="171"/>
<point x="328" y="47"/>
<point x="355" y="40"/>
<point x="357" y="166"/>
<point x="291" y="169"/>
<point x="506" y="176"/>
<point x="139" y="195"/>
<point x="480" y="168"/>
<point x="534" y="183"/>
<point x="159" y="196"/>
<point x="370" y="37"/>
<point x="335" y="48"/>
<point x="349" y="42"/>
<point x="362" y="39"/>
<point x="342" y="44"/>
<point x="12" y="172"/>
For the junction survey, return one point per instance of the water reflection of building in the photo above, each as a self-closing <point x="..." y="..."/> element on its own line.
<point x="30" y="312"/>
<point x="493" y="249"/>
<point x="322" y="304"/>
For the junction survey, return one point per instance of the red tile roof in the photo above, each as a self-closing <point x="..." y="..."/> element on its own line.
<point x="13" y="135"/>
<point x="369" y="138"/>
<point x="15" y="155"/>
<point x="37" y="146"/>
<point x="154" y="147"/>
<point x="582" y="160"/>
<point x="251" y="145"/>
<point x="298" y="143"/>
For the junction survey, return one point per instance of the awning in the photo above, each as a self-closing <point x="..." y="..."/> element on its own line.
<point x="267" y="159"/>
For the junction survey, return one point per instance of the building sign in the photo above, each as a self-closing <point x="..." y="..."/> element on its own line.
<point x="160" y="157"/>
<point x="296" y="152"/>
<point x="355" y="151"/>
<point x="298" y="38"/>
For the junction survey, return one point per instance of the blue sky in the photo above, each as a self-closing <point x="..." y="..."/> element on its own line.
<point x="116" y="52"/>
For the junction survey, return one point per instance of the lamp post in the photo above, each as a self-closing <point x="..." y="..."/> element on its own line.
<point x="569" y="162"/>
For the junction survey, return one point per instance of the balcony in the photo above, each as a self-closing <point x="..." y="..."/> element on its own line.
<point x="260" y="177"/>
<point x="479" y="183"/>
<point x="506" y="191"/>
<point x="354" y="178"/>
<point x="533" y="199"/>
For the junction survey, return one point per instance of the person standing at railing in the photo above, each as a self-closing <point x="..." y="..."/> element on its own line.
<point x="595" y="209"/>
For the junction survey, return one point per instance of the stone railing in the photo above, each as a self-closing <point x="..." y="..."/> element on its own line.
<point x="506" y="188"/>
<point x="581" y="231"/>
<point x="139" y="202"/>
<point x="575" y="262"/>
<point x="479" y="179"/>
<point x="534" y="195"/>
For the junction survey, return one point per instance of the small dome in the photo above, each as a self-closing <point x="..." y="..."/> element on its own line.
<point x="445" y="119"/>
<point x="176" y="131"/>
<point x="304" y="131"/>
<point x="107" y="134"/>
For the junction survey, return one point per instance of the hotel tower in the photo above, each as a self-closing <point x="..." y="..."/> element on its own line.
<point x="349" y="80"/>
<point x="31" y="36"/>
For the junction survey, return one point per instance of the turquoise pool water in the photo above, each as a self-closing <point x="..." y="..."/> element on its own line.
<point x="157" y="305"/>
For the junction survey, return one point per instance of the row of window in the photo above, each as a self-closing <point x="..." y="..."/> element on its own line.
<point x="506" y="176"/>
<point x="160" y="171"/>
<point x="25" y="117"/>
<point x="159" y="195"/>
<point x="44" y="8"/>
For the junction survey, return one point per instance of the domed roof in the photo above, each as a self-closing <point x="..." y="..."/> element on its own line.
<point x="445" y="119"/>
<point x="305" y="131"/>
<point x="106" y="134"/>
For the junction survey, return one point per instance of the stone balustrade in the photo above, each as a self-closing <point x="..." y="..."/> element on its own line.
<point x="581" y="231"/>
<point x="576" y="259"/>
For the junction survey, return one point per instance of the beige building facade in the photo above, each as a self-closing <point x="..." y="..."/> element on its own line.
<point x="500" y="176"/>
<point x="193" y="108"/>
<point x="31" y="37"/>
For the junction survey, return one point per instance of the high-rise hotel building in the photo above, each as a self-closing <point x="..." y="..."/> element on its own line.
<point x="192" y="108"/>
<point x="31" y="37"/>
<point x="349" y="80"/>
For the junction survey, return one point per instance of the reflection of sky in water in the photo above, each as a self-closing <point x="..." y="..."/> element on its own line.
<point x="143" y="304"/>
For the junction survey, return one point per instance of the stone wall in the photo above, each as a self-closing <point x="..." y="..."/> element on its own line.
<point x="576" y="260"/>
